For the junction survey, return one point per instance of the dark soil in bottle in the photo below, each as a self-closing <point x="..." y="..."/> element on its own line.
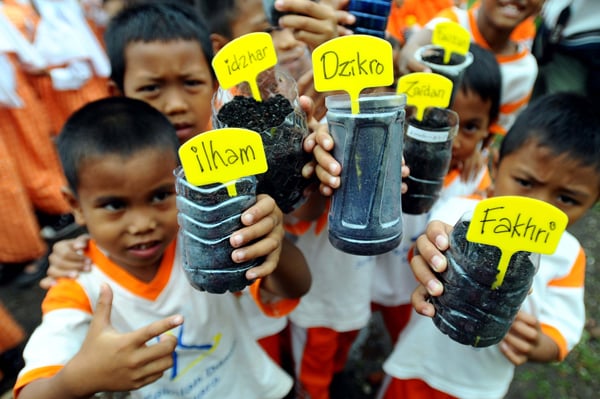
<point x="438" y="58"/>
<point x="283" y="130"/>
<point x="428" y="163"/>
<point x="470" y="311"/>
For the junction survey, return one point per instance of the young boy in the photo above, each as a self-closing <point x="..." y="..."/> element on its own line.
<point x="476" y="102"/>
<point x="551" y="154"/>
<point x="134" y="323"/>
<point x="491" y="24"/>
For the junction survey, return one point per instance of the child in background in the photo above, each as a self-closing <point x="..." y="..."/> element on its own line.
<point x="491" y="24"/>
<point x="476" y="102"/>
<point x="550" y="154"/>
<point x="30" y="173"/>
<point x="134" y="323"/>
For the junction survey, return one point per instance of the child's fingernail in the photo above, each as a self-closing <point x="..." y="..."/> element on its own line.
<point x="434" y="287"/>
<point x="247" y="218"/>
<point x="437" y="262"/>
<point x="441" y="242"/>
<point x="238" y="255"/>
<point x="251" y="275"/>
<point x="73" y="275"/>
<point x="237" y="239"/>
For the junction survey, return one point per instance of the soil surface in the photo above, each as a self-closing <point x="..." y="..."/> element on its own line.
<point x="576" y="378"/>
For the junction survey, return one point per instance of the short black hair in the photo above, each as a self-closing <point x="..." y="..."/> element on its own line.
<point x="112" y="126"/>
<point x="483" y="77"/>
<point x="152" y="21"/>
<point x="566" y="123"/>
<point x="219" y="14"/>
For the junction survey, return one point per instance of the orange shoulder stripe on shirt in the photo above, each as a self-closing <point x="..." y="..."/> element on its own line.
<point x="66" y="294"/>
<point x="509" y="108"/>
<point x="576" y="278"/>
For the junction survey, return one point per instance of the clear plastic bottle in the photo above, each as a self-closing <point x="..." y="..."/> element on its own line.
<point x="207" y="218"/>
<point x="365" y="217"/>
<point x="470" y="311"/>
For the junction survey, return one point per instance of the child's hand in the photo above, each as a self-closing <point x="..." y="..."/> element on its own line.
<point x="522" y="339"/>
<point x="407" y="62"/>
<point x="117" y="361"/>
<point x="429" y="258"/>
<point x="66" y="260"/>
<point x="264" y="221"/>
<point x="326" y="168"/>
<point x="311" y="22"/>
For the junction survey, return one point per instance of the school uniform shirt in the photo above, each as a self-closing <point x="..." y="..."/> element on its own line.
<point x="518" y="70"/>
<point x="215" y="357"/>
<point x="393" y="281"/>
<point x="339" y="297"/>
<point x="423" y="352"/>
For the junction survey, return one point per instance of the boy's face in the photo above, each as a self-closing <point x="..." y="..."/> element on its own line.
<point x="533" y="171"/>
<point x="507" y="14"/>
<point x="174" y="77"/>
<point x="474" y="116"/>
<point x="128" y="206"/>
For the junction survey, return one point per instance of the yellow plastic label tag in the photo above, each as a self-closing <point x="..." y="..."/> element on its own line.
<point x="242" y="59"/>
<point x="514" y="224"/>
<point x="424" y="90"/>
<point x="223" y="155"/>
<point x="452" y="37"/>
<point x="353" y="63"/>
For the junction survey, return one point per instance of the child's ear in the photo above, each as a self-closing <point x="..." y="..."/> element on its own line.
<point x="71" y="198"/>
<point x="218" y="42"/>
<point x="113" y="89"/>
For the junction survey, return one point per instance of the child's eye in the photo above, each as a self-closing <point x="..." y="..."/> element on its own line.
<point x="565" y="199"/>
<point x="471" y="128"/>
<point x="523" y="182"/>
<point x="148" y="88"/>
<point x="162" y="196"/>
<point x="194" y="82"/>
<point x="113" y="206"/>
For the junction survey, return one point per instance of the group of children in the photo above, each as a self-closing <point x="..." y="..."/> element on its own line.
<point x="164" y="339"/>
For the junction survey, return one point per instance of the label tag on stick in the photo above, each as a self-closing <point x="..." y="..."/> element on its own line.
<point x="353" y="63"/>
<point x="514" y="224"/>
<point x="243" y="59"/>
<point x="223" y="155"/>
<point x="452" y="37"/>
<point x="424" y="90"/>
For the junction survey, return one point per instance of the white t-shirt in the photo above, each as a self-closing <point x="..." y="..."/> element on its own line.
<point x="216" y="355"/>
